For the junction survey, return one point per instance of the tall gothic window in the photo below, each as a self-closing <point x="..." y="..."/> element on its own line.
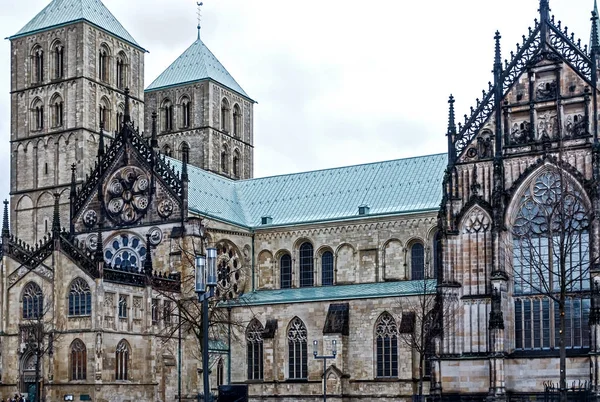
<point x="285" y="271"/>
<point x="237" y="120"/>
<point x="224" y="159"/>
<point x="551" y="236"/>
<point x="386" y="336"/>
<point x="33" y="301"/>
<point x="254" y="348"/>
<point x="306" y="265"/>
<point x="57" y="111"/>
<point x="38" y="65"/>
<point x="78" y="360"/>
<point x="80" y="298"/>
<point x="167" y="151"/>
<point x="297" y="350"/>
<point x="220" y="372"/>
<point x="186" y="109"/>
<point x="155" y="312"/>
<point x="121" y="71"/>
<point x="327" y="268"/>
<point x="58" y="61"/>
<point x="225" y="115"/>
<point x="103" y="64"/>
<point x="104" y="114"/>
<point x="167" y="108"/>
<point x="417" y="261"/>
<point x="236" y="163"/>
<point x="122" y="361"/>
<point x="437" y="254"/>
<point x="37" y="115"/>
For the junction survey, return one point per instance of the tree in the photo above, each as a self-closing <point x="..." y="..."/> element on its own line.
<point x="182" y="308"/>
<point x="551" y="259"/>
<point x="39" y="333"/>
<point x="424" y="313"/>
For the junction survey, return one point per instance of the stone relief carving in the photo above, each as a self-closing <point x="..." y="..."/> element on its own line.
<point x="520" y="133"/>
<point x="165" y="208"/>
<point x="546" y="90"/>
<point x="575" y="126"/>
<point x="547" y="126"/>
<point x="90" y="218"/>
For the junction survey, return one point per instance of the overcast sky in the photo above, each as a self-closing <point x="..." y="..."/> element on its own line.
<point x="338" y="82"/>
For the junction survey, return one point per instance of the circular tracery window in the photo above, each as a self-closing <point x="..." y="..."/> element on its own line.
<point x="229" y="269"/>
<point x="126" y="195"/>
<point x="125" y="251"/>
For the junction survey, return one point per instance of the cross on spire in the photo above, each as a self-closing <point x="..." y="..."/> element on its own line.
<point x="199" y="15"/>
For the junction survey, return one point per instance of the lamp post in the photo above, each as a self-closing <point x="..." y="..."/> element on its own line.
<point x="206" y="281"/>
<point x="324" y="358"/>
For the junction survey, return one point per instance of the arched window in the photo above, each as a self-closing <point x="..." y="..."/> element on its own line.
<point x="297" y="350"/>
<point x="78" y="360"/>
<point x="80" y="298"/>
<point x="306" y="265"/>
<point x="57" y="111"/>
<point x="122" y="306"/>
<point x="327" y="268"/>
<point x="104" y="114"/>
<point x="437" y="254"/>
<point x="33" y="301"/>
<point x="103" y="56"/>
<point x="121" y="70"/>
<point x="236" y="163"/>
<point x="37" y="115"/>
<point x="386" y="337"/>
<point x="59" y="65"/>
<point x="167" y="151"/>
<point x="285" y="268"/>
<point x="37" y="65"/>
<point x="225" y="115"/>
<point x="167" y="111"/>
<point x="551" y="250"/>
<point x="220" y="372"/>
<point x="120" y="114"/>
<point x="237" y="120"/>
<point x="184" y="149"/>
<point x="186" y="110"/>
<point x="417" y="261"/>
<point x="224" y="159"/>
<point x="122" y="361"/>
<point x="254" y="348"/>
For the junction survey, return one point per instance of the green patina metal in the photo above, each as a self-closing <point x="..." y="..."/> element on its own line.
<point x="197" y="63"/>
<point x="64" y="12"/>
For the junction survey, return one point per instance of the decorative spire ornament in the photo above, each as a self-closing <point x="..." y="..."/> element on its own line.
<point x="199" y="15"/>
<point x="5" y="229"/>
<point x="56" y="217"/>
<point x="154" y="140"/>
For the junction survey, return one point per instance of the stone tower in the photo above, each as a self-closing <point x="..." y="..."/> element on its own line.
<point x="203" y="115"/>
<point x="70" y="66"/>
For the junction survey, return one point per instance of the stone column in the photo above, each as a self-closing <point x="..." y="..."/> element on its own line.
<point x="497" y="390"/>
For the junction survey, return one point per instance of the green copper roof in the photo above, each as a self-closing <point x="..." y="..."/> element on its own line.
<point x="61" y="12"/>
<point x="338" y="292"/>
<point x="197" y="63"/>
<point x="390" y="187"/>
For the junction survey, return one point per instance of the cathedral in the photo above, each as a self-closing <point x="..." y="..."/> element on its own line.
<point x="478" y="281"/>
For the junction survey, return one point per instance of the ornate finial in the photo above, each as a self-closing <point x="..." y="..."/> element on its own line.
<point x="99" y="254"/>
<point x="148" y="261"/>
<point x="56" y="217"/>
<point x="199" y="14"/>
<point x="126" y="115"/>
<point x="544" y="10"/>
<point x="154" y="141"/>
<point x="497" y="55"/>
<point x="451" y="122"/>
<point x="101" y="141"/>
<point x="5" y="230"/>
<point x="594" y="40"/>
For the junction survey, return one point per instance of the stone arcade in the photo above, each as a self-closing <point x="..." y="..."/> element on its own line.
<point x="323" y="255"/>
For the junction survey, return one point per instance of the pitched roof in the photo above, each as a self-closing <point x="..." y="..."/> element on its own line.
<point x="197" y="63"/>
<point x="390" y="187"/>
<point x="61" y="12"/>
<point x="338" y="292"/>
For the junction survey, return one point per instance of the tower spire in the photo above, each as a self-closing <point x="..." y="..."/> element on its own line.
<point x="594" y="39"/>
<point x="451" y="130"/>
<point x="56" y="217"/>
<point x="5" y="230"/>
<point x="497" y="52"/>
<point x="199" y="14"/>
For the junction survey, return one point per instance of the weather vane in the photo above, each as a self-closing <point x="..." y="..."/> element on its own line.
<point x="199" y="14"/>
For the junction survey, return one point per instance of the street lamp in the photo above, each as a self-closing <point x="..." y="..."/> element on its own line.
<point x="206" y="281"/>
<point x="324" y="358"/>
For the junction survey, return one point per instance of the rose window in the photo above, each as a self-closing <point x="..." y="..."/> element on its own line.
<point x="125" y="251"/>
<point x="230" y="276"/>
<point x="127" y="195"/>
